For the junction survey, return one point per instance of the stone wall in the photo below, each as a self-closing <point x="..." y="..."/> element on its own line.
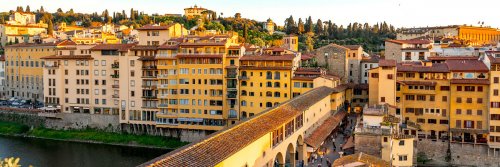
<point x="334" y="57"/>
<point x="22" y="118"/>
<point x="82" y="121"/>
<point x="462" y="154"/>
<point x="393" y="51"/>
<point x="369" y="144"/>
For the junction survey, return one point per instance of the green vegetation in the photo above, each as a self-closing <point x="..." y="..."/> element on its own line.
<point x="90" y="135"/>
<point x="12" y="128"/>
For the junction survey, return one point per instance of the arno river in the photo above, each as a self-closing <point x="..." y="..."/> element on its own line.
<point x="50" y="153"/>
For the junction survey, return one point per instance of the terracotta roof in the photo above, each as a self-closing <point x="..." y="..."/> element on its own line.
<point x="470" y="81"/>
<point x="146" y="58"/>
<point x="224" y="143"/>
<point x="306" y="56"/>
<point x="144" y="47"/>
<point x="371" y="59"/>
<point x="418" y="67"/>
<point x="65" y="43"/>
<point x="30" y="45"/>
<point x="424" y="83"/>
<point x="199" y="55"/>
<point x="466" y="66"/>
<point x="275" y="49"/>
<point x="168" y="47"/>
<point x="235" y="47"/>
<point x="200" y="44"/>
<point x="119" y="47"/>
<point x="387" y="63"/>
<point x="364" y="159"/>
<point x="362" y="86"/>
<point x="303" y="78"/>
<point x="265" y="57"/>
<point x="411" y="41"/>
<point x="494" y="60"/>
<point x="352" y="47"/>
<point x="320" y="134"/>
<point x="452" y="58"/>
<point x="155" y="27"/>
<point x="69" y="57"/>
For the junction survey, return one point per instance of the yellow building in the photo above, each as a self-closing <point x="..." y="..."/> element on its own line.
<point x="159" y="34"/>
<point x="291" y="42"/>
<point x="195" y="11"/>
<point x="494" y="99"/>
<point x="479" y="35"/>
<point x="24" y="68"/>
<point x="441" y="94"/>
<point x="22" y="27"/>
<point x="473" y="35"/>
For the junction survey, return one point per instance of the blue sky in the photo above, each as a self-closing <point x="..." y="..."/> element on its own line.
<point x="397" y="12"/>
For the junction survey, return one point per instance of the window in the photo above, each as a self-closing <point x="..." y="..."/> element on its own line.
<point x="402" y="143"/>
<point x="420" y="97"/>
<point x="495" y="79"/>
<point x="459" y="111"/>
<point x="374" y="75"/>
<point x="382" y="99"/>
<point x="479" y="112"/>
<point x="431" y="121"/>
<point x="459" y="88"/>
<point x="445" y="98"/>
<point x="479" y="100"/>
<point x="403" y="158"/>
<point x="445" y="88"/>
<point x="495" y="92"/>
<point x="480" y="89"/>
<point x="432" y="98"/>
<point x="469" y="100"/>
<point x="469" y="112"/>
<point x="390" y="76"/>
<point x="459" y="100"/>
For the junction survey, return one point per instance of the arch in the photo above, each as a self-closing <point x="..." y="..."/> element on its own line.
<point x="269" y="94"/>
<point x="277" y="94"/>
<point x="243" y="103"/>
<point x="269" y="84"/>
<point x="269" y="75"/>
<point x="243" y="93"/>
<point x="276" y="84"/>
<point x="290" y="155"/>
<point x="244" y="73"/>
<point x="301" y="151"/>
<point x="279" y="161"/>
<point x="277" y="75"/>
<point x="269" y="104"/>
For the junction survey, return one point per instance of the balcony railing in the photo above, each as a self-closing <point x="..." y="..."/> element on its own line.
<point x="115" y="65"/>
<point x="115" y="76"/>
<point x="231" y="95"/>
<point x="163" y="85"/>
<point x="148" y="67"/>
<point x="149" y="86"/>
<point x="243" y="77"/>
<point x="162" y="75"/>
<point x="115" y="86"/>
<point x="166" y="55"/>
<point x="148" y="76"/>
<point x="231" y="76"/>
<point x="149" y="97"/>
<point x="163" y="105"/>
<point x="51" y="65"/>
<point x="116" y="96"/>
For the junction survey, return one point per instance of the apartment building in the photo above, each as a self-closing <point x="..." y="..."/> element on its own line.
<point x="22" y="27"/>
<point x="367" y="63"/>
<point x="24" y="68"/>
<point x="156" y="35"/>
<point x="408" y="50"/>
<point x="446" y="97"/>
<point x="354" y="57"/>
<point x="494" y="110"/>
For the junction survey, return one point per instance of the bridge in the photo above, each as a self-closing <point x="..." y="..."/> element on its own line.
<point x="277" y="136"/>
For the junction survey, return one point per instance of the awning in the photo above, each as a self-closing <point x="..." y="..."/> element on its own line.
<point x="321" y="133"/>
<point x="348" y="144"/>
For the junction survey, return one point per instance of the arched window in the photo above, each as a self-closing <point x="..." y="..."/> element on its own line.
<point x="243" y="83"/>
<point x="269" y="75"/>
<point x="277" y="75"/>
<point x="269" y="94"/>
<point x="243" y="103"/>
<point x="244" y="73"/>
<point x="277" y="94"/>
<point x="276" y="84"/>
<point x="243" y="92"/>
<point x="269" y="104"/>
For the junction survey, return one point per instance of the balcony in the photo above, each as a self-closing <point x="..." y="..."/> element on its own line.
<point x="149" y="97"/>
<point x="148" y="76"/>
<point x="243" y="78"/>
<point x="163" y="85"/>
<point x="163" y="105"/>
<point x="115" y="76"/>
<point x="231" y="95"/>
<point x="162" y="75"/>
<point x="51" y="66"/>
<point x="116" y="96"/>
<point x="231" y="75"/>
<point x="149" y="86"/>
<point x="162" y="96"/>
<point x="148" y="67"/>
<point x="115" y="65"/>
<point x="115" y="86"/>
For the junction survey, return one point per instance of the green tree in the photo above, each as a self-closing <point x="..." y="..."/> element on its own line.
<point x="319" y="27"/>
<point x="290" y="27"/>
<point x="50" y="28"/>
<point x="132" y="14"/>
<point x="258" y="41"/>
<point x="42" y="10"/>
<point x="300" y="26"/>
<point x="59" y="10"/>
<point x="19" y="9"/>
<point x="309" y="42"/>
<point x="28" y="10"/>
<point x="237" y="15"/>
<point x="16" y="41"/>
<point x="245" y="32"/>
<point x="309" y="25"/>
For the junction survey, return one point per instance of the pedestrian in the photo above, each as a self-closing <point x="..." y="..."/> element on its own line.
<point x="334" y="147"/>
<point x="321" y="158"/>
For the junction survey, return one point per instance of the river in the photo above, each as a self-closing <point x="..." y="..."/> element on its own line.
<point x="52" y="153"/>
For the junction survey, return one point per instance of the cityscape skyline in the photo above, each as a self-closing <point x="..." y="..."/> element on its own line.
<point x="339" y="12"/>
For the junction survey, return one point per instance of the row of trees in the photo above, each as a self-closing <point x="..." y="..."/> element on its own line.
<point x="325" y="32"/>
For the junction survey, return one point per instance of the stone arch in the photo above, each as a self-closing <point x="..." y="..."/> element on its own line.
<point x="279" y="161"/>
<point x="301" y="152"/>
<point x="290" y="155"/>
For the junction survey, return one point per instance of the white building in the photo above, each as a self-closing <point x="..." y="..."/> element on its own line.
<point x="368" y="63"/>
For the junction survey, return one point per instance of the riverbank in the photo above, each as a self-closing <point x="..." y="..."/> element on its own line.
<point x="90" y="136"/>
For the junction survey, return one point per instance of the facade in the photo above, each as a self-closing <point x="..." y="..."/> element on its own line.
<point x="2" y="77"/>
<point x="335" y="59"/>
<point x="354" y="57"/>
<point x="156" y="35"/>
<point x="493" y="59"/>
<point x="407" y="50"/>
<point x="445" y="97"/>
<point x="195" y="11"/>
<point x="473" y="35"/>
<point x="291" y="42"/>
<point x="22" y="27"/>
<point x="24" y="69"/>
<point x="368" y="63"/>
